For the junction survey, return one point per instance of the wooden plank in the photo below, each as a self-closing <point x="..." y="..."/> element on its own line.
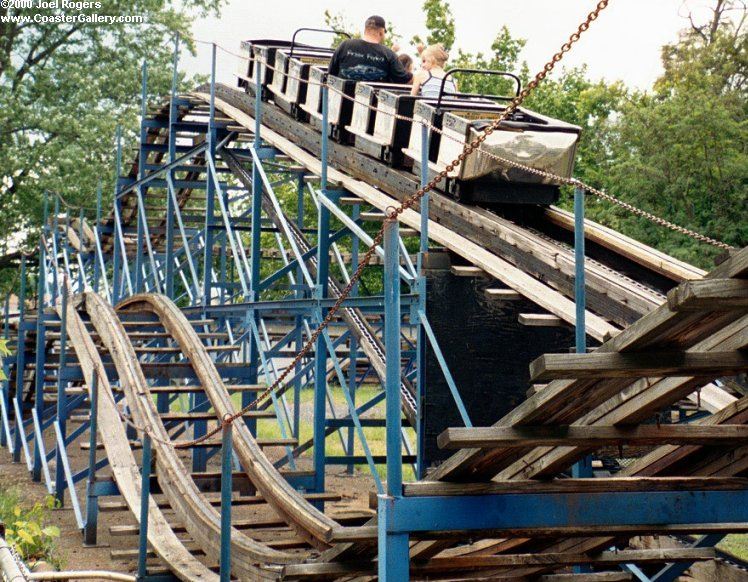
<point x="540" y="320"/>
<point x="628" y="247"/>
<point x="592" y="436"/>
<point x="592" y="485"/>
<point x="638" y="365"/>
<point x="594" y="577"/>
<point x="503" y="294"/>
<point x="468" y="563"/>
<point x="709" y="295"/>
<point x="467" y="271"/>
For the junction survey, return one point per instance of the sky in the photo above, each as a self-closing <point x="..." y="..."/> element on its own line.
<point x="623" y="44"/>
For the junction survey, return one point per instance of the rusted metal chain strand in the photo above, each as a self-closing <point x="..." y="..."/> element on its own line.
<point x="392" y="214"/>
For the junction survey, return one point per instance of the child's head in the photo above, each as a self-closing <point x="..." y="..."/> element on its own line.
<point x="406" y="62"/>
<point x="434" y="56"/>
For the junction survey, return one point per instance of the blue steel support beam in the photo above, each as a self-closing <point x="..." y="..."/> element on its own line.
<point x="118" y="259"/>
<point x="170" y="209"/>
<point x="139" y="256"/>
<point x="92" y="499"/>
<point x="583" y="468"/>
<point x="225" y="561"/>
<point x="62" y="400"/>
<point x="421" y="290"/>
<point x="145" y="493"/>
<point x="393" y="546"/>
<point x="564" y="510"/>
<point x="320" y="348"/>
<point x="97" y="264"/>
<point x="5" y="436"/>
<point x="40" y="360"/>
<point x="353" y="347"/>
<point x="20" y="361"/>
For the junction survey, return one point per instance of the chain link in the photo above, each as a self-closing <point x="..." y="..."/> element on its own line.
<point x="393" y="213"/>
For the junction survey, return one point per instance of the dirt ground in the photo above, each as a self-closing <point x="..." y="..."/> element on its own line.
<point x="353" y="489"/>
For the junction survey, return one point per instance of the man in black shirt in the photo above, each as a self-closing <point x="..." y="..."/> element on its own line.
<point x="366" y="59"/>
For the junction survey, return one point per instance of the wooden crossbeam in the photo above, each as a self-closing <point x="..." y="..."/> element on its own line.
<point x="503" y="294"/>
<point x="467" y="271"/>
<point x="540" y="320"/>
<point x="469" y="563"/>
<point x="709" y="295"/>
<point x="591" y="436"/>
<point x="596" y="485"/>
<point x="638" y="365"/>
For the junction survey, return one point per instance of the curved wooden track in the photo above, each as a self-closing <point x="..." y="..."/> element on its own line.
<point x="121" y="458"/>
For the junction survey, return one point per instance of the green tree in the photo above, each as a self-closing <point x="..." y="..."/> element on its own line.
<point x="63" y="89"/>
<point x="680" y="151"/>
<point x="440" y="24"/>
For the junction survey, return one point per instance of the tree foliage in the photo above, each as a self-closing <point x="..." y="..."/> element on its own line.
<point x="440" y="24"/>
<point x="678" y="150"/>
<point x="63" y="89"/>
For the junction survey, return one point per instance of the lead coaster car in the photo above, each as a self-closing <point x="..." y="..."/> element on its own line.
<point x="526" y="137"/>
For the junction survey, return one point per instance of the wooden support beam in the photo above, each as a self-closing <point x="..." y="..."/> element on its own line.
<point x="709" y="295"/>
<point x="470" y="563"/>
<point x="592" y="485"/>
<point x="540" y="320"/>
<point x="503" y="294"/>
<point x="467" y="271"/>
<point x="594" y="577"/>
<point x="638" y="365"/>
<point x="591" y="436"/>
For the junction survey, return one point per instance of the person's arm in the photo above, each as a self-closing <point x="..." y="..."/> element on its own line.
<point x="334" y="67"/>
<point x="418" y="80"/>
<point x="398" y="74"/>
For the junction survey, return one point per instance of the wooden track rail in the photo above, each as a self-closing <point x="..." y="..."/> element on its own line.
<point x="124" y="466"/>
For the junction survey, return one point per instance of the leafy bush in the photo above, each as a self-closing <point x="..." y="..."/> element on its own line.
<point x="25" y="528"/>
<point x="4" y="351"/>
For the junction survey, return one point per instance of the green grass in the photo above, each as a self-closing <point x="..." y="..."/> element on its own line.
<point x="736" y="544"/>
<point x="375" y="436"/>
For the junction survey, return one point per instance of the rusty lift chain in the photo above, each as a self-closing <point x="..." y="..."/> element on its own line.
<point x="394" y="212"/>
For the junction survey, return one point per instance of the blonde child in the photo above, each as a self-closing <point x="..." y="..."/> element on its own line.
<point x="428" y="80"/>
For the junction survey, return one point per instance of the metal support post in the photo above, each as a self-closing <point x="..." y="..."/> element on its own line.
<point x="582" y="468"/>
<point x="226" y="446"/>
<point x="92" y="499"/>
<point x="139" y="257"/>
<point x="40" y="360"/>
<point x="61" y="397"/>
<point x="145" y="494"/>
<point x="5" y="437"/>
<point x="20" y="363"/>
<point x="320" y="348"/>
<point x="353" y="344"/>
<point x="81" y="273"/>
<point x="97" y="265"/>
<point x="200" y="454"/>
<point x="393" y="547"/>
<point x="210" y="195"/>
<point x="255" y="249"/>
<point x="117" y="259"/>
<point x="421" y="290"/>
<point x="170" y="210"/>
<point x="579" y="279"/>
